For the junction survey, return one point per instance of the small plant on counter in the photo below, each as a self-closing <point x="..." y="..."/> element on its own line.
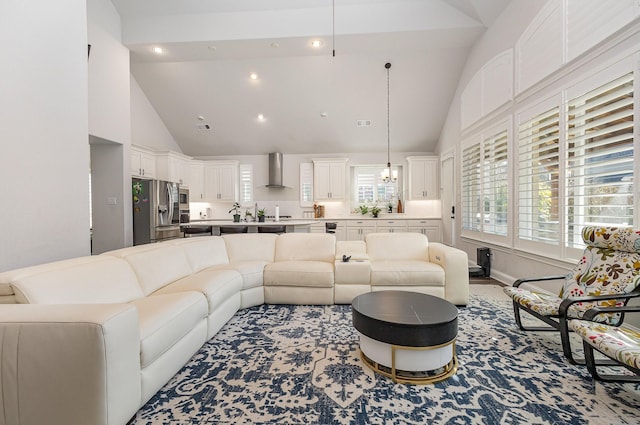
<point x="261" y="214"/>
<point x="236" y="212"/>
<point x="375" y="210"/>
<point x="363" y="209"/>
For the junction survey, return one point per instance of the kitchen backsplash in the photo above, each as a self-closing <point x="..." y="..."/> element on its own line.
<point x="220" y="211"/>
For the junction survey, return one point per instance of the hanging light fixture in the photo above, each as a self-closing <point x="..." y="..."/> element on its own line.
<point x="388" y="175"/>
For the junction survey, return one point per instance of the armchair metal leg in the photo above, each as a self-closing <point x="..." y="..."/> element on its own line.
<point x="516" y="312"/>
<point x="592" y="367"/>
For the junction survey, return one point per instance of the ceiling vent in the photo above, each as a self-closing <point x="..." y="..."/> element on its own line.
<point x="203" y="126"/>
<point x="363" y="123"/>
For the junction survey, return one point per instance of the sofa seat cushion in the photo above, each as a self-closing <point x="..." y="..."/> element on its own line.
<point x="299" y="273"/>
<point x="165" y="319"/>
<point x="103" y="281"/>
<point x="251" y="271"/>
<point x="407" y="272"/>
<point x="216" y="284"/>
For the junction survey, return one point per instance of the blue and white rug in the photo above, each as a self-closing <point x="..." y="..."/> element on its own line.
<point x="300" y="365"/>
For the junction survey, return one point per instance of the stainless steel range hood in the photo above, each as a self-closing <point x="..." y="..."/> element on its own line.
<point x="275" y="171"/>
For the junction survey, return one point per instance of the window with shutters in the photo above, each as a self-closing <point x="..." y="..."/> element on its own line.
<point x="369" y="189"/>
<point x="306" y="184"/>
<point x="485" y="187"/>
<point x="471" y="211"/>
<point x="539" y="178"/>
<point x="599" y="159"/>
<point x="246" y="184"/>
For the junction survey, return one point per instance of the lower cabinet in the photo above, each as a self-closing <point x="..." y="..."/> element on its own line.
<point x="431" y="228"/>
<point x="357" y="230"/>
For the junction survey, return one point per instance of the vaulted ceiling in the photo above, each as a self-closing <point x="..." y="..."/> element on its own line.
<point x="310" y="100"/>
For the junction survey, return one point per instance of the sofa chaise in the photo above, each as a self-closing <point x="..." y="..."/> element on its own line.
<point x="90" y="340"/>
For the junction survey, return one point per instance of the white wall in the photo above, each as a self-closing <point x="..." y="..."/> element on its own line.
<point x="110" y="121"/>
<point x="508" y="263"/>
<point x="43" y="132"/>
<point x="147" y="128"/>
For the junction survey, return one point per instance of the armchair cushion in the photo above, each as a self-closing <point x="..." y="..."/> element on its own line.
<point x="619" y="343"/>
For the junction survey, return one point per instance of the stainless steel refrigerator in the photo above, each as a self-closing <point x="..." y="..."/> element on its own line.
<point x="156" y="211"/>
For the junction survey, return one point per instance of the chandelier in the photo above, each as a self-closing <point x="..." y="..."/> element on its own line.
<point x="388" y="175"/>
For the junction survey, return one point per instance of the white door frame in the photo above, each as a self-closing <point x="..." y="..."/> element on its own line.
<point x="448" y="196"/>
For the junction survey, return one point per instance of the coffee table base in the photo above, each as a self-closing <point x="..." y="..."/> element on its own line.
<point x="419" y="377"/>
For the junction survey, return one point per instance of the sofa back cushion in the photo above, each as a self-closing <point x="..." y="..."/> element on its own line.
<point x="100" y="281"/>
<point x="8" y="277"/>
<point x="397" y="246"/>
<point x="251" y="247"/>
<point x="204" y="251"/>
<point x="159" y="267"/>
<point x="306" y="247"/>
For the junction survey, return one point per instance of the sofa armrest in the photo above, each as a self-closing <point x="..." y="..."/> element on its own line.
<point x="456" y="271"/>
<point x="69" y="364"/>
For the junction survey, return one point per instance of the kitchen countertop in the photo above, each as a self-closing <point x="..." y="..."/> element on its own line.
<point x="216" y="223"/>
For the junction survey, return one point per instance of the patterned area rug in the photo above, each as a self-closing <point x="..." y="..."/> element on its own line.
<point x="301" y="365"/>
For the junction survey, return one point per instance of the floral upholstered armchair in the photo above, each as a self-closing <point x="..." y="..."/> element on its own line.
<point x="619" y="343"/>
<point x="607" y="275"/>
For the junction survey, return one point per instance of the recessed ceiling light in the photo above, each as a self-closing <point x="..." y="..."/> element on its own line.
<point x="158" y="50"/>
<point x="261" y="117"/>
<point x="253" y="76"/>
<point x="275" y="45"/>
<point x="324" y="114"/>
<point x="200" y="118"/>
<point x="212" y="48"/>
<point x="316" y="43"/>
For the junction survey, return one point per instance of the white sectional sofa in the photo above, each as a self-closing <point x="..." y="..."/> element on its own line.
<point x="90" y="340"/>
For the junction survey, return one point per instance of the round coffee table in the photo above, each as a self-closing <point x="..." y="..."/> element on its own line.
<point x="407" y="336"/>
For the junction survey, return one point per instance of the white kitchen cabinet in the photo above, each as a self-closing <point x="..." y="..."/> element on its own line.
<point x="221" y="181"/>
<point x="173" y="167"/>
<point x="390" y="226"/>
<point x="329" y="179"/>
<point x="196" y="182"/>
<point x="431" y="228"/>
<point x="423" y="177"/>
<point x="357" y="230"/>
<point x="143" y="163"/>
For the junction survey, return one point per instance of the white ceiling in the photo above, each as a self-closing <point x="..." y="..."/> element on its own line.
<point x="211" y="47"/>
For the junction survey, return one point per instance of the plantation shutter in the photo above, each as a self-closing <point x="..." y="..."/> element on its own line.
<point x="306" y="184"/>
<point x="538" y="178"/>
<point x="599" y="149"/>
<point x="365" y="185"/>
<point x="471" y="188"/>
<point x="495" y="184"/>
<point x="246" y="184"/>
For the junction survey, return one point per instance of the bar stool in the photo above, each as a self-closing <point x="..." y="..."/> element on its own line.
<point x="197" y="230"/>
<point x="226" y="230"/>
<point x="272" y="229"/>
<point x="331" y="227"/>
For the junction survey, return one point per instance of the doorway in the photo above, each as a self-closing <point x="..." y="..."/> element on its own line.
<point x="448" y="196"/>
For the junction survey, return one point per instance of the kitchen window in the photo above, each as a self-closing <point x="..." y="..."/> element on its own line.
<point x="369" y="189"/>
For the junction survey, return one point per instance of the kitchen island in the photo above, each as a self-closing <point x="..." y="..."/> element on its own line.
<point x="291" y="226"/>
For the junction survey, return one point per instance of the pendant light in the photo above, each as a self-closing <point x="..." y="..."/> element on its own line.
<point x="388" y="175"/>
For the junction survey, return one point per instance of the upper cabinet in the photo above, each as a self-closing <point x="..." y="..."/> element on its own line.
<point x="329" y="179"/>
<point x="173" y="167"/>
<point x="143" y="163"/>
<point x="196" y="181"/>
<point x="423" y="177"/>
<point x="221" y="181"/>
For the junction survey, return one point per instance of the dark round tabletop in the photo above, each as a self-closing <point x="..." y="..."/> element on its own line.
<point x="405" y="318"/>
